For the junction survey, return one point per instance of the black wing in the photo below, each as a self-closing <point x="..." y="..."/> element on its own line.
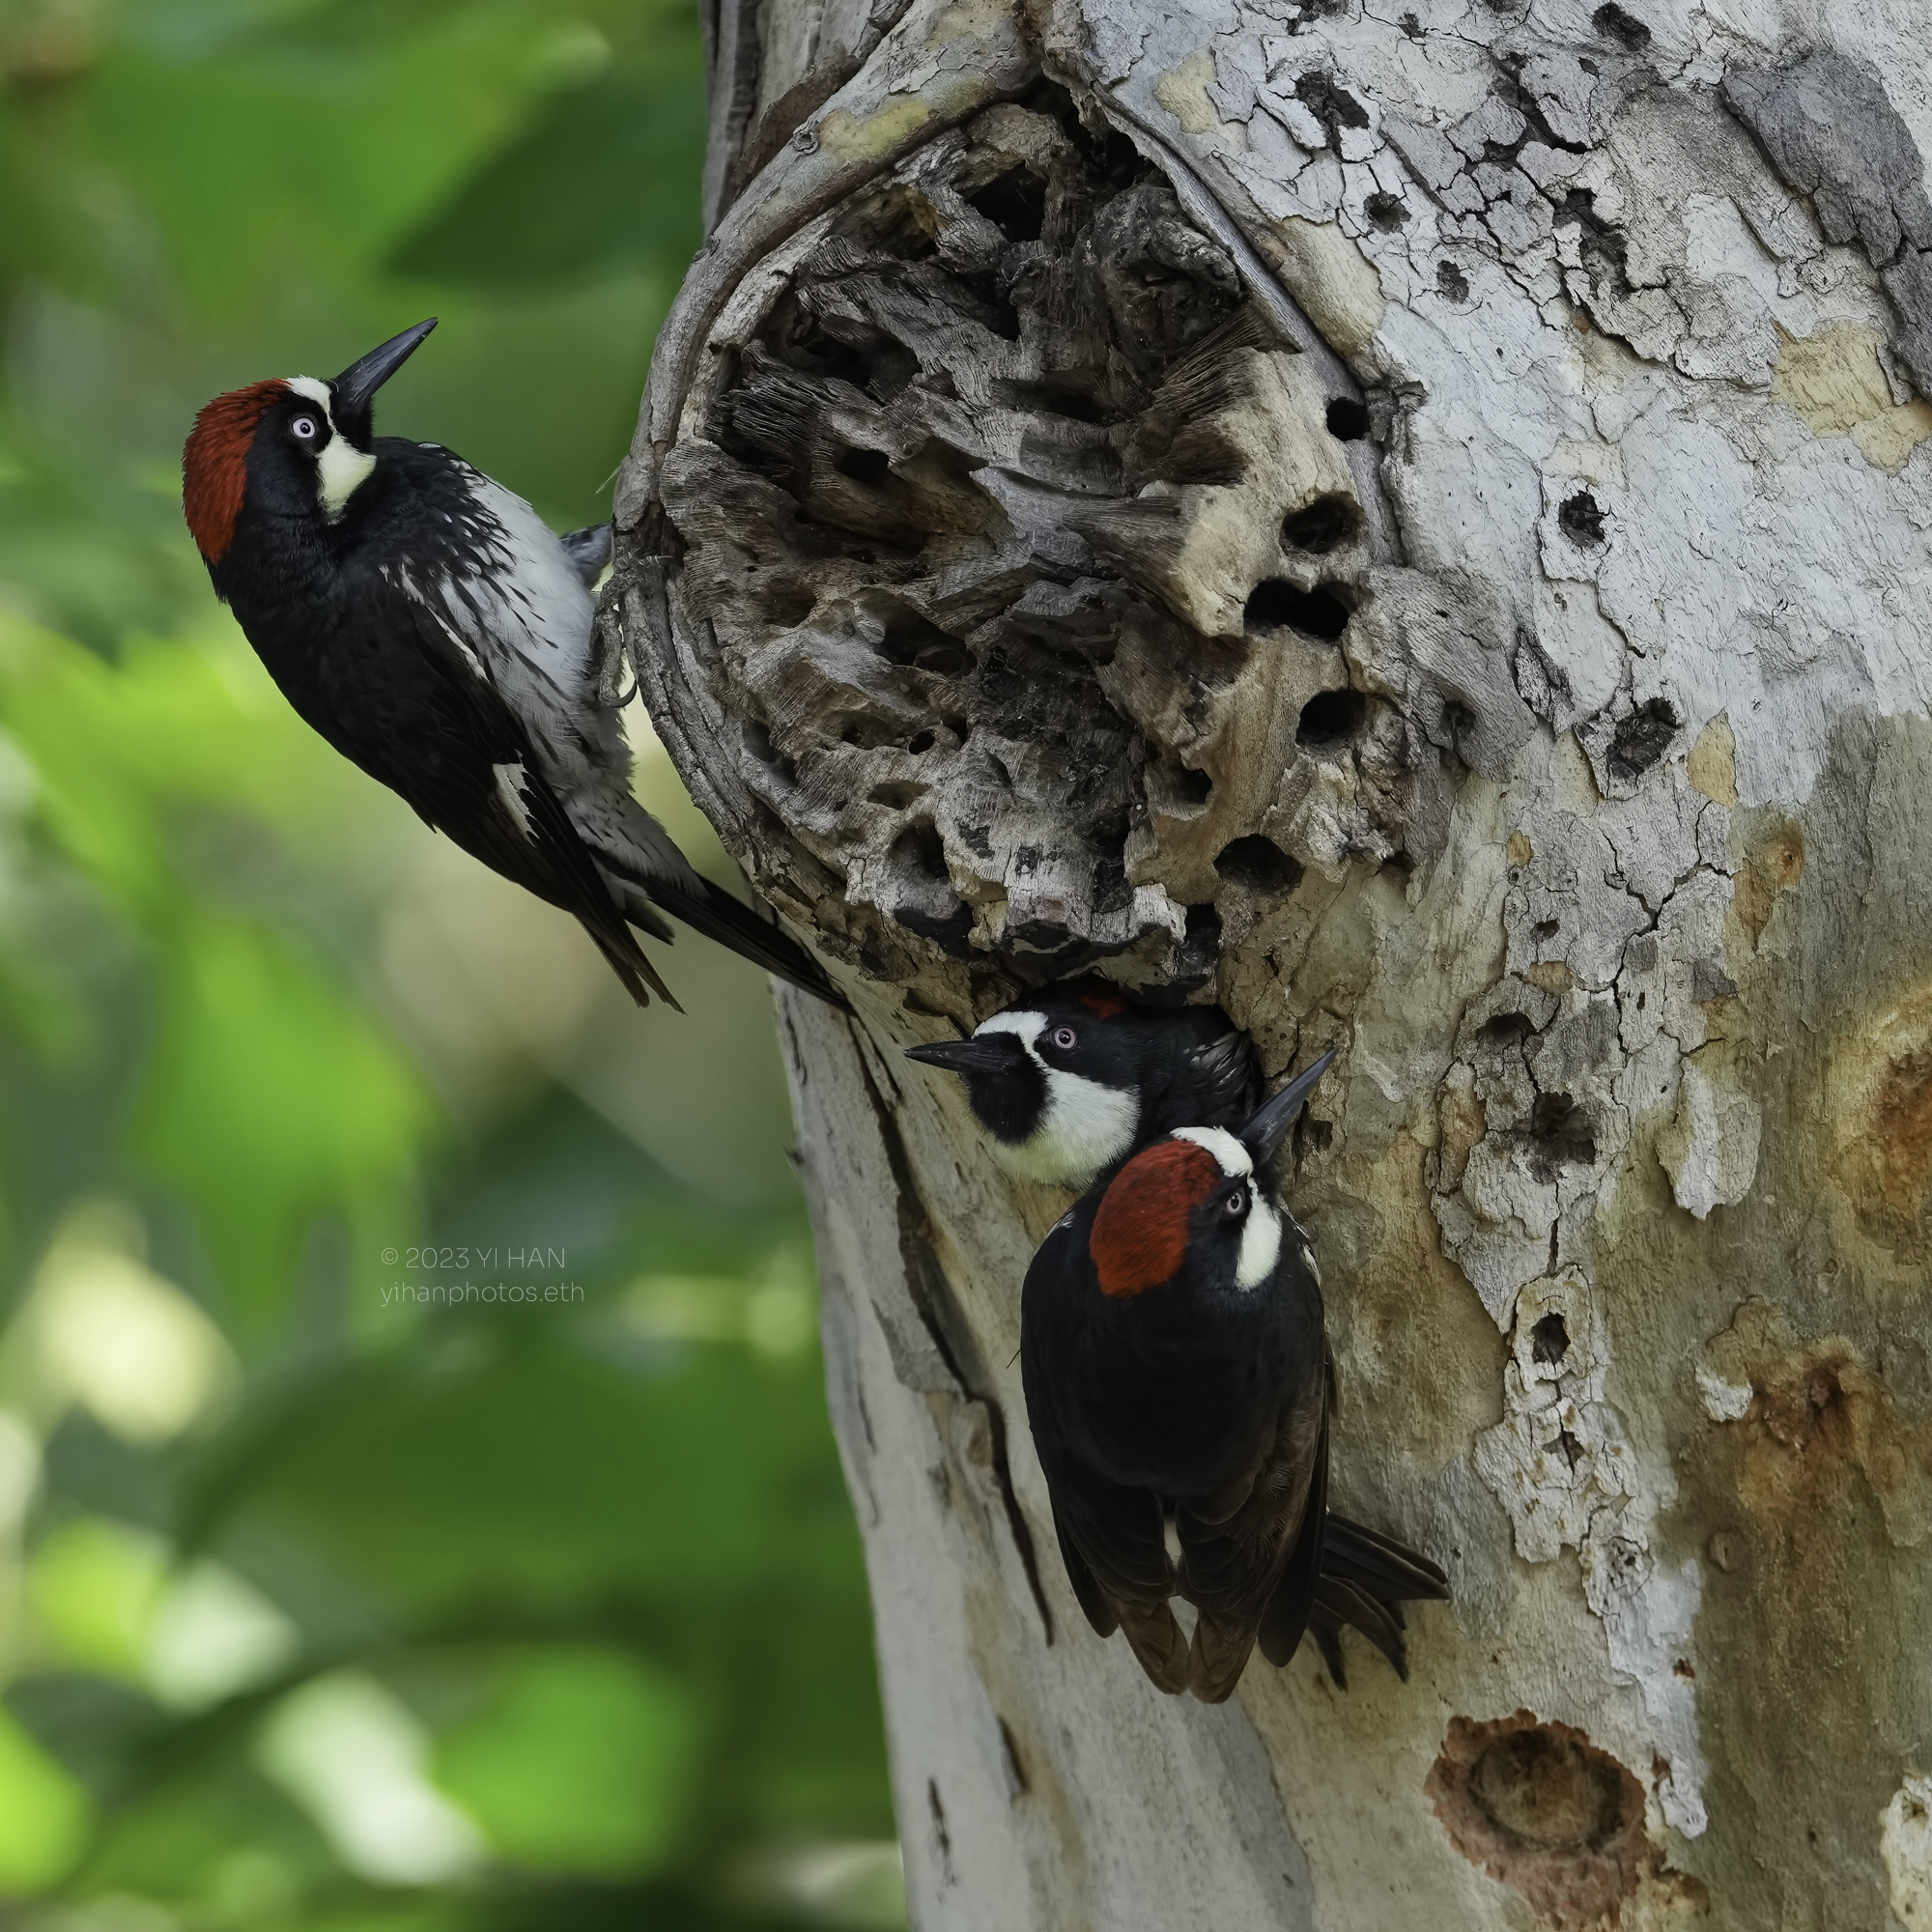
<point x="1112" y="1536"/>
<point x="465" y="763"/>
<point x="1265" y="1553"/>
<point x="1225" y="1076"/>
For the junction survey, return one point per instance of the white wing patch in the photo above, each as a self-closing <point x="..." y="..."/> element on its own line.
<point x="1085" y="1126"/>
<point x="510" y="789"/>
<point x="341" y="469"/>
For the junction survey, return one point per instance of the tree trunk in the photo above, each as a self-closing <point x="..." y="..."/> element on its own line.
<point x="1410" y="525"/>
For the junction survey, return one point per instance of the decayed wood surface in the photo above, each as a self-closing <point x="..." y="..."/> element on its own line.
<point x="1410" y="522"/>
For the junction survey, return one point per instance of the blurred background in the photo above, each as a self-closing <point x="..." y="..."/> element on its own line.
<point x="320" y="1607"/>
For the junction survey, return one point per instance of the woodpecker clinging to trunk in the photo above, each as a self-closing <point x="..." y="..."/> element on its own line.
<point x="1070" y="1082"/>
<point x="438" y="633"/>
<point x="1176" y="1372"/>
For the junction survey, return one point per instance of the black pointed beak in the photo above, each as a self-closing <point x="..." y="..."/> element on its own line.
<point x="984" y="1053"/>
<point x="1269" y="1127"/>
<point x="354" y="390"/>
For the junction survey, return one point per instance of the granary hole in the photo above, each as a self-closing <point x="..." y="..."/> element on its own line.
<point x="1504" y="1030"/>
<point x="1348" y="419"/>
<point x="1386" y="211"/>
<point x="1259" y="865"/>
<point x="1275" y="604"/>
<point x="1329" y="722"/>
<point x="920" y="849"/>
<point x="1561" y="1135"/>
<point x="1015" y="203"/>
<point x="1642" y="739"/>
<point x="1323" y="526"/>
<point x="1581" y="518"/>
<point x="873" y="467"/>
<point x="1615" y="24"/>
<point x="1549" y="1339"/>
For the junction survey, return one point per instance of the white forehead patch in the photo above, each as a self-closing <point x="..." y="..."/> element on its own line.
<point x="1236" y="1163"/>
<point x="1028" y="1025"/>
<point x="341" y="469"/>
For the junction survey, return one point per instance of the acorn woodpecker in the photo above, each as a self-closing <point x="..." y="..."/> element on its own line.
<point x="1177" y="1377"/>
<point x="1071" y="1082"/>
<point x="438" y="633"/>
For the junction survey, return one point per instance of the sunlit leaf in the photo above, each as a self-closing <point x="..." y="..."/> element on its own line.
<point x="580" y="1762"/>
<point x="44" y="1813"/>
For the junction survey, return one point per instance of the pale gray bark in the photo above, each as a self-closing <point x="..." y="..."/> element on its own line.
<point x="1013" y="598"/>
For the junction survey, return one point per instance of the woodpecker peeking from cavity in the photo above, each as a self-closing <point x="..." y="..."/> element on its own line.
<point x="435" y="631"/>
<point x="1071" y="1082"/>
<point x="1178" y="1373"/>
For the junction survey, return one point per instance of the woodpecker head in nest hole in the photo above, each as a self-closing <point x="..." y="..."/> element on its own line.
<point x="1069" y="1083"/>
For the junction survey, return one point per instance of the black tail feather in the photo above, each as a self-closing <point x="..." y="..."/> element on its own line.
<point x="733" y="924"/>
<point x="1366" y="1578"/>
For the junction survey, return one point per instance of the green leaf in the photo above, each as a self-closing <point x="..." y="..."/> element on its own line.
<point x="270" y="1100"/>
<point x="44" y="1813"/>
<point x="579" y="1764"/>
<point x="608" y="176"/>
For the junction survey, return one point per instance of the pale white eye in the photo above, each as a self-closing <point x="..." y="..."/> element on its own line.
<point x="304" y="427"/>
<point x="1064" y="1037"/>
<point x="1236" y="1203"/>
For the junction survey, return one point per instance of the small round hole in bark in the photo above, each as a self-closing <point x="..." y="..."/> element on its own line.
<point x="1505" y="1031"/>
<point x="1348" y="419"/>
<point x="1642" y="739"/>
<point x="896" y="797"/>
<point x="1259" y="864"/>
<point x="1323" y="526"/>
<point x="1329" y="722"/>
<point x="1451" y="282"/>
<point x="1542" y="930"/>
<point x="1549" y="1339"/>
<point x="1615" y="24"/>
<point x="1581" y="518"/>
<point x="921" y="742"/>
<point x="1275" y="604"/>
<point x="873" y="467"/>
<point x="1561" y="1134"/>
<point x="1386" y="211"/>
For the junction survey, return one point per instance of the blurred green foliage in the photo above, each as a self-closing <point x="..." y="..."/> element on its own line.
<point x="323" y="1604"/>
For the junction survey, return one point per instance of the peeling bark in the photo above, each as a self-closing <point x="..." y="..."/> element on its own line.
<point x="1410" y="521"/>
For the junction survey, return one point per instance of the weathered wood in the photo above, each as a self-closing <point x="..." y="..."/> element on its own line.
<point x="1414" y="527"/>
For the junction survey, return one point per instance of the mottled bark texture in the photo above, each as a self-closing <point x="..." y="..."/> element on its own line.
<point x="1409" y="520"/>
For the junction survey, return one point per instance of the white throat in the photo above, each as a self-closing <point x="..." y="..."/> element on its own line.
<point x="341" y="469"/>
<point x="1084" y="1124"/>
